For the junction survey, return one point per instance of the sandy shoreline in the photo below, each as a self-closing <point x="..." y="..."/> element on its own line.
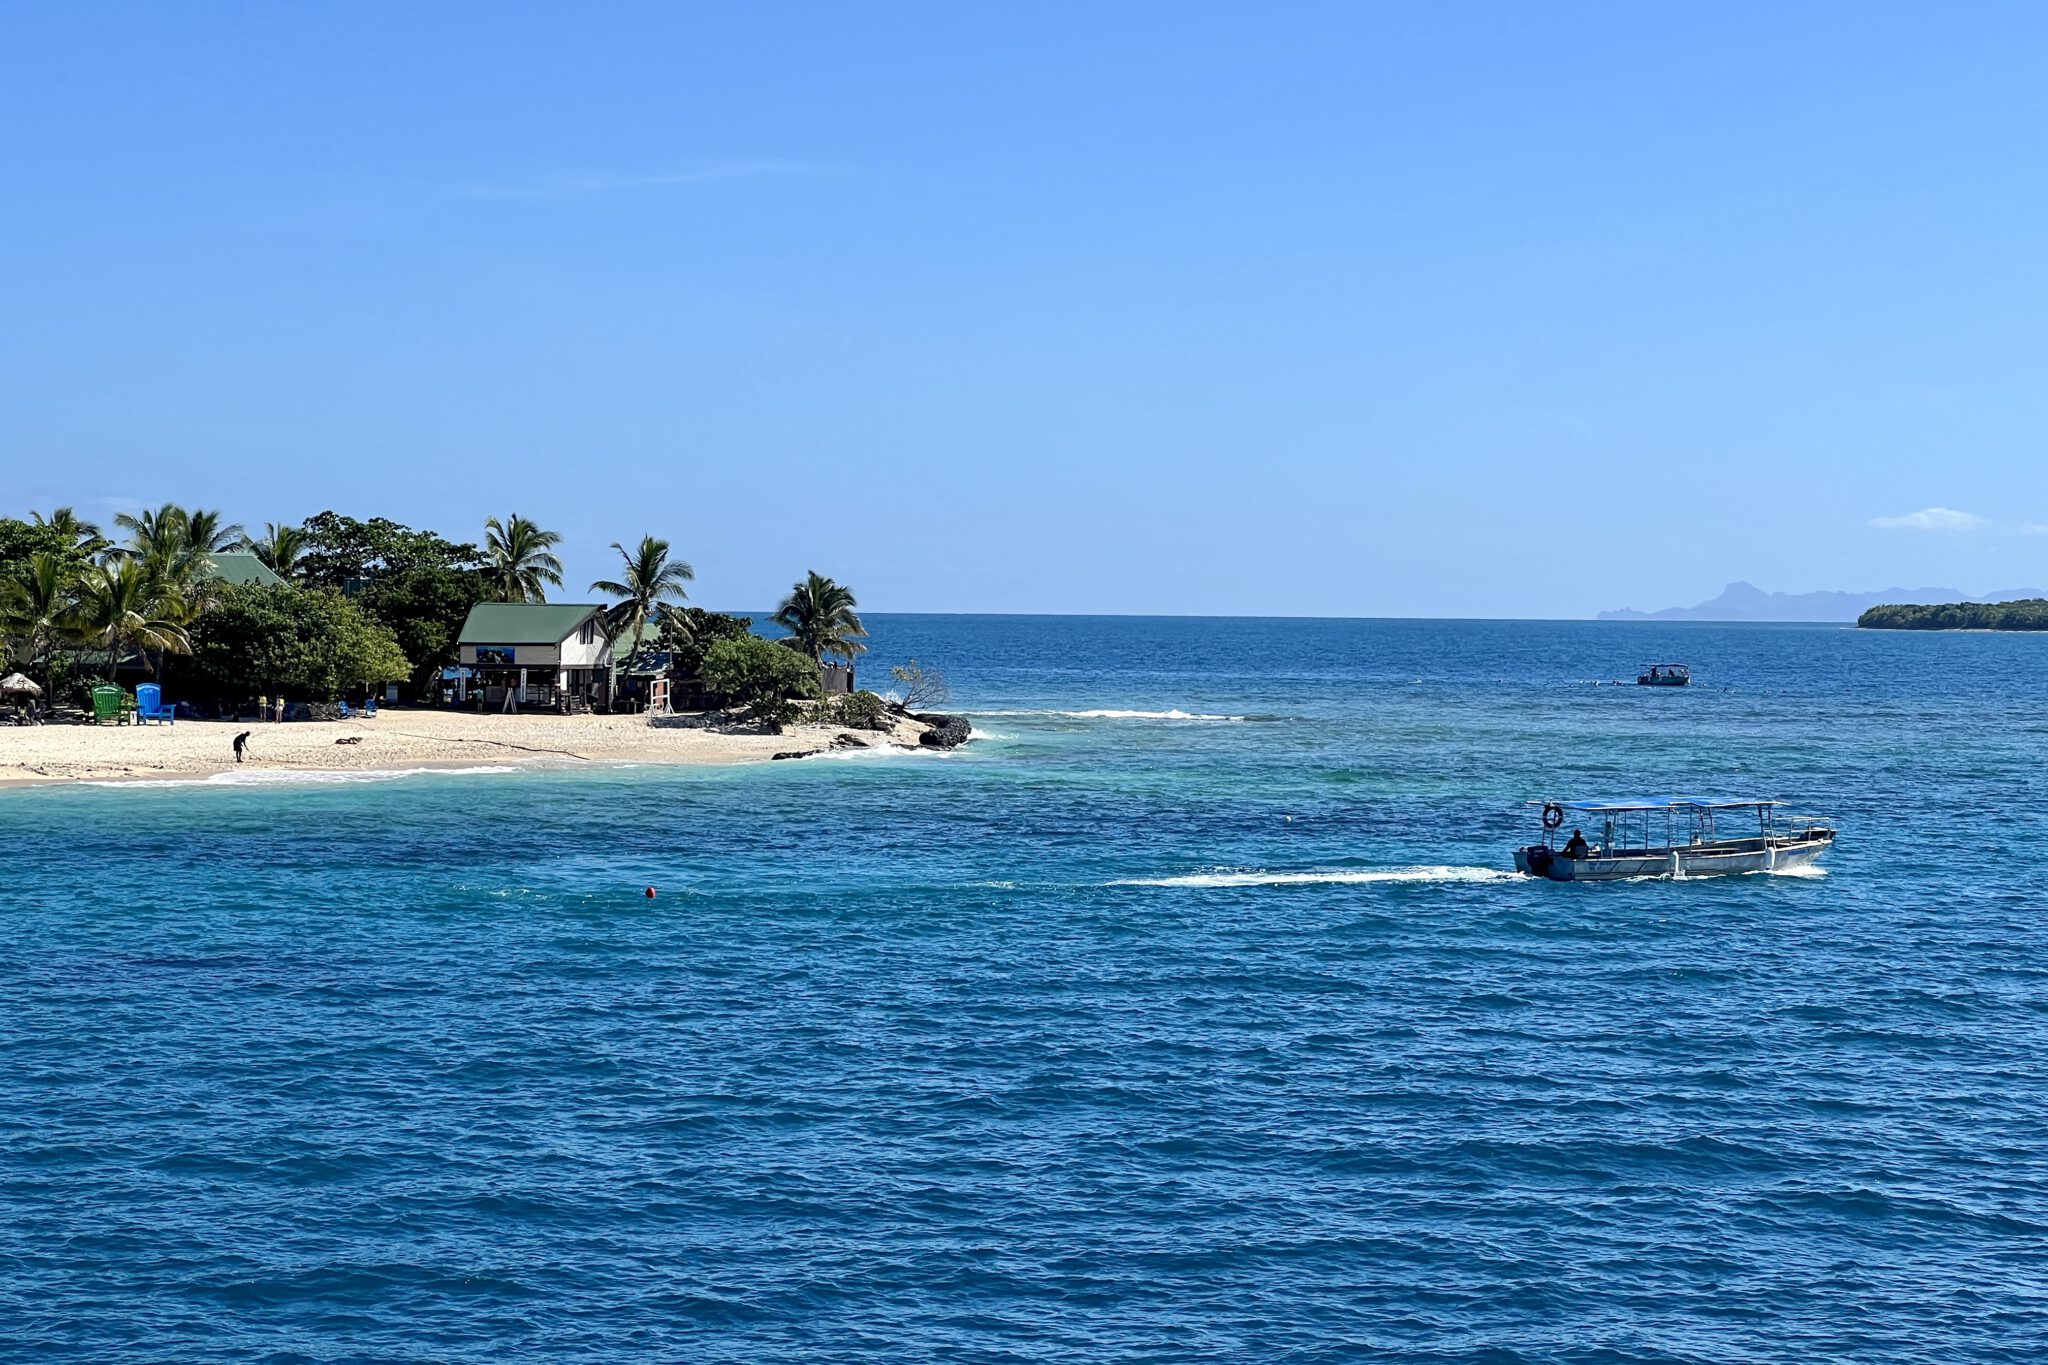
<point x="46" y="754"/>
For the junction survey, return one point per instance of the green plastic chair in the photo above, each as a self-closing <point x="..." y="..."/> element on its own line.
<point x="106" y="704"/>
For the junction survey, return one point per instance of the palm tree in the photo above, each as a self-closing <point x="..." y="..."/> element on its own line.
<point x="36" y="603"/>
<point x="122" y="607"/>
<point x="177" y="546"/>
<point x="205" y="532"/>
<point x="819" y="616"/>
<point x="157" y="535"/>
<point x="85" y="537"/>
<point x="518" y="561"/>
<point x="279" y="547"/>
<point x="651" y="578"/>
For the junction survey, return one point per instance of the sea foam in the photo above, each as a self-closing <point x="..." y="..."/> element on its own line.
<point x="280" y="777"/>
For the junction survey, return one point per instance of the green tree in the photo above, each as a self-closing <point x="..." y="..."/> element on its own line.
<point x="760" y="675"/>
<point x="424" y="608"/>
<point x="121" y="607"/>
<point x="279" y="547"/>
<point x="819" y="616"/>
<point x="20" y="539"/>
<point x="686" y="633"/>
<point x="2025" y="614"/>
<point x="340" y="550"/>
<point x="519" y="563"/>
<point x="650" y="579"/>
<point x="309" y="644"/>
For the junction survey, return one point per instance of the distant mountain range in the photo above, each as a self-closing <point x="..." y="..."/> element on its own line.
<point x="1747" y="602"/>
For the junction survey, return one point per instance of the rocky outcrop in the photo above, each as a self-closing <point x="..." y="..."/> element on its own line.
<point x="946" y="732"/>
<point x="849" y="741"/>
<point x="794" y="753"/>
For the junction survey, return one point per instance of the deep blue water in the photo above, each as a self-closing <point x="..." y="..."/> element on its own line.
<point x="1109" y="1038"/>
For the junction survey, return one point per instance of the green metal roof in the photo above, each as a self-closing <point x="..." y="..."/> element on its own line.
<point x="524" y="623"/>
<point x="242" y="569"/>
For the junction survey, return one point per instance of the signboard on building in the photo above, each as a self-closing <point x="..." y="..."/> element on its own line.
<point x="496" y="656"/>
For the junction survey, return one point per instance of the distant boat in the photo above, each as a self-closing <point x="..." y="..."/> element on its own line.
<point x="1669" y="836"/>
<point x="1664" y="675"/>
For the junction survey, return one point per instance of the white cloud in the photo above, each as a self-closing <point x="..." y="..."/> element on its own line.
<point x="1930" y="519"/>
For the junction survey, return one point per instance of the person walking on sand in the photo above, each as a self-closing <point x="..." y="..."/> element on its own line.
<point x="241" y="742"/>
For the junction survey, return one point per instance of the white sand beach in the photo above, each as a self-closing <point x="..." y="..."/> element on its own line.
<point x="396" y="739"/>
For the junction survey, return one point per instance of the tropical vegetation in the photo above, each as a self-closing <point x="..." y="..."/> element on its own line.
<point x="2027" y="614"/>
<point x="365" y="602"/>
<point x="519" y="560"/>
<point x="291" y="642"/>
<point x="650" y="580"/>
<point x="686" y="634"/>
<point x="279" y="548"/>
<point x="819" y="616"/>
<point x="761" y="676"/>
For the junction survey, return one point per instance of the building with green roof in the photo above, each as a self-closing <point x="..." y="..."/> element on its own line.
<point x="535" y="653"/>
<point x="242" y="569"/>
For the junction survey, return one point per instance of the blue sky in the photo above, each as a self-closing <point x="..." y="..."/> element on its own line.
<point x="1425" y="309"/>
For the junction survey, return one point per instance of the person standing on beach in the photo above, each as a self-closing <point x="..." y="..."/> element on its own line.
<point x="263" y="706"/>
<point x="241" y="740"/>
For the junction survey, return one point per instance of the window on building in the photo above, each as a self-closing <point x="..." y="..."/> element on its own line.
<point x="588" y="633"/>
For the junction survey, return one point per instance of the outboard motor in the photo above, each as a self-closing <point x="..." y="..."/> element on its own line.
<point x="1539" y="859"/>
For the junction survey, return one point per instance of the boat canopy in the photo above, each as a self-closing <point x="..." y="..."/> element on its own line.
<point x="1628" y="803"/>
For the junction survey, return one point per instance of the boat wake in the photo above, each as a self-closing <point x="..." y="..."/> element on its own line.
<point x="1228" y="877"/>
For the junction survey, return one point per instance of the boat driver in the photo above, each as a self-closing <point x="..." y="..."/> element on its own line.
<point x="1576" y="846"/>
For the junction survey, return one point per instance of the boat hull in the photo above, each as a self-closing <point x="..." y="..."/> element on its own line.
<point x="1700" y="860"/>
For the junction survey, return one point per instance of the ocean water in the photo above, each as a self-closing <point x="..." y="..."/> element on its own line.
<point x="1188" y="1014"/>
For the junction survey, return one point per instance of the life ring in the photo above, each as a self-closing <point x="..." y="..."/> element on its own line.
<point x="1553" y="815"/>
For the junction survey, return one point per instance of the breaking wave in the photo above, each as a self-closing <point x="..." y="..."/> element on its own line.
<point x="276" y="777"/>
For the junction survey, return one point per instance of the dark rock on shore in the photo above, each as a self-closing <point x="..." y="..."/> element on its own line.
<point x="947" y="732"/>
<point x="794" y="753"/>
<point x="849" y="742"/>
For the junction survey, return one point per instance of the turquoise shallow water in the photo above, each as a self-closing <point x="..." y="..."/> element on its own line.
<point x="1113" y="1037"/>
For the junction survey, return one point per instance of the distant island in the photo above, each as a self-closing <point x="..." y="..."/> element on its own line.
<point x="2030" y="614"/>
<point x="1747" y="602"/>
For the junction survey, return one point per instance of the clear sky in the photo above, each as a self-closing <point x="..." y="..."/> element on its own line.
<point x="1345" y="309"/>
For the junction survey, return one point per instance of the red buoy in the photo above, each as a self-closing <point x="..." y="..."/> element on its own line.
<point x="650" y="893"/>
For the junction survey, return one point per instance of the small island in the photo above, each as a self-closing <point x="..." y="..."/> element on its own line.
<point x="147" y="656"/>
<point x="2027" y="614"/>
